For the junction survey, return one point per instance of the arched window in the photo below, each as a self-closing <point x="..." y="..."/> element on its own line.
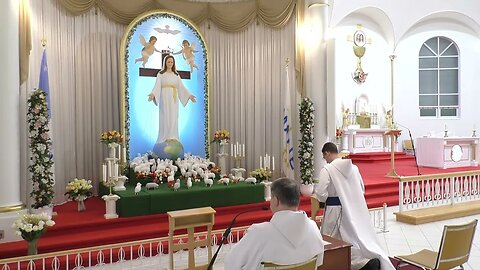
<point x="438" y="78"/>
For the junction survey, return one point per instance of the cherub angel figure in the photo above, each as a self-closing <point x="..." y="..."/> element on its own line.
<point x="187" y="52"/>
<point x="148" y="49"/>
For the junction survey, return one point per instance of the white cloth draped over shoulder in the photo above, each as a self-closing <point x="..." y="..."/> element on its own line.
<point x="290" y="237"/>
<point x="351" y="221"/>
<point x="168" y="90"/>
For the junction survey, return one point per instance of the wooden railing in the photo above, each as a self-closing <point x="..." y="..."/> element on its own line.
<point x="423" y="191"/>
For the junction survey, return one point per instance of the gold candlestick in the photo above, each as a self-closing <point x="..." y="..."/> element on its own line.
<point x="238" y="161"/>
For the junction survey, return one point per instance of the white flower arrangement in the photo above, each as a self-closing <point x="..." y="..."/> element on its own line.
<point x="261" y="174"/>
<point x="41" y="156"/>
<point x="32" y="226"/>
<point x="306" y="142"/>
<point x="79" y="188"/>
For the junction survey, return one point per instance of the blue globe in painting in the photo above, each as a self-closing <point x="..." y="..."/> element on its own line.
<point x="171" y="149"/>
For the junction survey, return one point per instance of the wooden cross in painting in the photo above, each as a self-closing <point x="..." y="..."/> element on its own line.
<point x="152" y="72"/>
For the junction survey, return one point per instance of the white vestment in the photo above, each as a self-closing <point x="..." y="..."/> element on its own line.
<point x="168" y="90"/>
<point x="290" y="237"/>
<point x="349" y="221"/>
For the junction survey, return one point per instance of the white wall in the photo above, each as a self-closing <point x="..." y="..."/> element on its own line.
<point x="375" y="62"/>
<point x="406" y="85"/>
<point x="400" y="28"/>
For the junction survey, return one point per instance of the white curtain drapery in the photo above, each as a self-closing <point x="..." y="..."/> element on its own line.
<point x="246" y="90"/>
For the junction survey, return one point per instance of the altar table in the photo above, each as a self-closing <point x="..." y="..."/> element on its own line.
<point x="364" y="140"/>
<point x="448" y="152"/>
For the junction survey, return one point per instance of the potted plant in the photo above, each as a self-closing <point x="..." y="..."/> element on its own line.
<point x="305" y="151"/>
<point x="30" y="227"/>
<point x="41" y="160"/>
<point x="79" y="190"/>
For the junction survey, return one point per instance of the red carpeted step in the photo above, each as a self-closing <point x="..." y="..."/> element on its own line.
<point x="83" y="229"/>
<point x="391" y="200"/>
<point x="378" y="156"/>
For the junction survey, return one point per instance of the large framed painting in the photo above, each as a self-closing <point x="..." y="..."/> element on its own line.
<point x="164" y="80"/>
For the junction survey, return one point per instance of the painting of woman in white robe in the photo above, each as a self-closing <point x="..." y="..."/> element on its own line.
<point x="166" y="94"/>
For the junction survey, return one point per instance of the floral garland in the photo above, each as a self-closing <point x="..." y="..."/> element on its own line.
<point x="305" y="152"/>
<point x="40" y="144"/>
<point x="196" y="32"/>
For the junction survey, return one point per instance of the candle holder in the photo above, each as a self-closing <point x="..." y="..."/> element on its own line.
<point x="110" y="183"/>
<point x="238" y="161"/>
<point x="238" y="173"/>
<point x="474" y="133"/>
<point x="445" y="135"/>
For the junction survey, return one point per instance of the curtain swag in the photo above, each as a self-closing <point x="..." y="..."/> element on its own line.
<point x="228" y="16"/>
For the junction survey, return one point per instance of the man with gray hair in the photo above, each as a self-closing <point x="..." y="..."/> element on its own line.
<point x="290" y="237"/>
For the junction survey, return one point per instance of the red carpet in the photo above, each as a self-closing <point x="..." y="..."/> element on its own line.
<point x="83" y="229"/>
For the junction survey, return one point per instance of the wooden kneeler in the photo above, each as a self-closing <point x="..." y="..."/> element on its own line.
<point x="189" y="219"/>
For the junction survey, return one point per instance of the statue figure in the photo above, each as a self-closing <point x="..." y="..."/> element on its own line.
<point x="345" y="118"/>
<point x="389" y="119"/>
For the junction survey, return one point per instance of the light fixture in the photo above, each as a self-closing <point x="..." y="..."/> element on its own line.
<point x="317" y="4"/>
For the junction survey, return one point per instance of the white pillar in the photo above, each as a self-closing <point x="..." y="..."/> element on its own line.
<point x="316" y="17"/>
<point x="10" y="203"/>
<point x="9" y="107"/>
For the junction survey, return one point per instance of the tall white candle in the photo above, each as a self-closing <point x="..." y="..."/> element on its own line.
<point x="115" y="172"/>
<point x="445" y="126"/>
<point x="109" y="169"/>
<point x="124" y="155"/>
<point x="104" y="172"/>
<point x="231" y="149"/>
<point x="243" y="150"/>
<point x="119" y="151"/>
<point x="235" y="151"/>
<point x="273" y="163"/>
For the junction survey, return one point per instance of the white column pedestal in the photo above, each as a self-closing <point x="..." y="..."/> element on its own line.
<point x="222" y="161"/>
<point x="268" y="190"/>
<point x="110" y="206"/>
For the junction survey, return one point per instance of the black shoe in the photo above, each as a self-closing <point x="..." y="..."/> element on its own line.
<point x="373" y="264"/>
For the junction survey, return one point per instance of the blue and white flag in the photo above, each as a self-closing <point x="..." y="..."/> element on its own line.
<point x="287" y="144"/>
<point x="44" y="85"/>
<point x="43" y="80"/>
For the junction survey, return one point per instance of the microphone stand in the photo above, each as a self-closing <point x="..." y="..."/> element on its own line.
<point x="227" y="232"/>
<point x="413" y="148"/>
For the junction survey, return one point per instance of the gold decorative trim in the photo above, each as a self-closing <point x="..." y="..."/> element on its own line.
<point x="12" y="208"/>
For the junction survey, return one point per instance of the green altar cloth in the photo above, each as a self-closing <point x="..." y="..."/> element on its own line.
<point x="163" y="199"/>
